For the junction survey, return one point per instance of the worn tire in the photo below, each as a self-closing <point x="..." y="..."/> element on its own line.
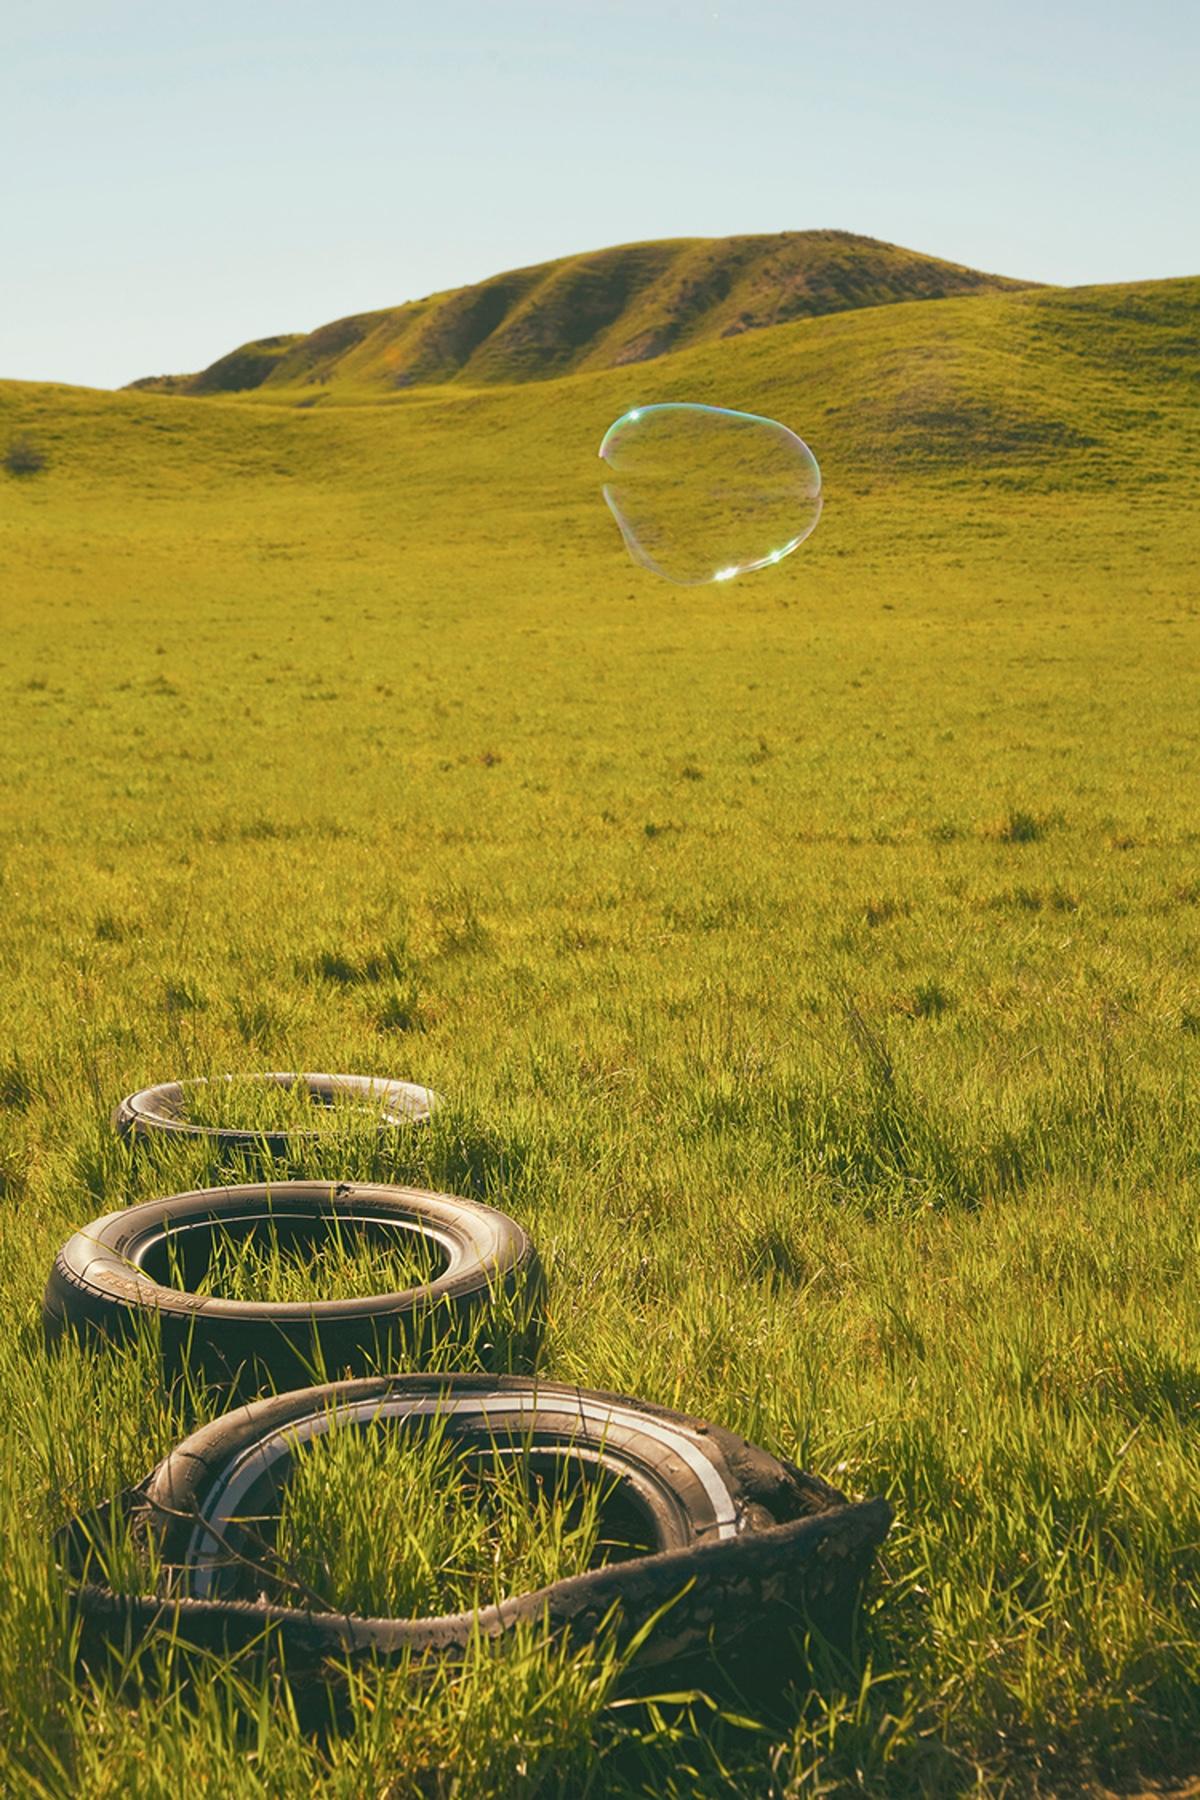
<point x="743" y="1545"/>
<point x="156" y="1112"/>
<point x="110" y="1279"/>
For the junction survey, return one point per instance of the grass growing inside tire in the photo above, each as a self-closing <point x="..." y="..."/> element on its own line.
<point x="406" y="1525"/>
<point x="332" y="1262"/>
<point x="249" y="1103"/>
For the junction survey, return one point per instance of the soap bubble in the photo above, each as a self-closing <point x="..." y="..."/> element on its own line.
<point x="703" y="494"/>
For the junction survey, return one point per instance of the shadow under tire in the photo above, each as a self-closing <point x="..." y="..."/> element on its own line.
<point x="134" y="1268"/>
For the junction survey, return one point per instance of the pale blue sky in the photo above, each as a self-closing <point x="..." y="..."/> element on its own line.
<point x="177" y="178"/>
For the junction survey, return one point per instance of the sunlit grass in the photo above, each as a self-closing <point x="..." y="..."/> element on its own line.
<point x="405" y="1526"/>
<point x="247" y="1104"/>
<point x="324" y="1261"/>
<point x="812" y="972"/>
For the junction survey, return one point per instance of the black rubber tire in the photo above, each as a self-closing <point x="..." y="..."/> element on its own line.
<point x="156" y="1112"/>
<point x="744" y="1545"/>
<point x="108" y="1279"/>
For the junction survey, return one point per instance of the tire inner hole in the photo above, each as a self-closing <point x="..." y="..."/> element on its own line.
<point x="283" y="1257"/>
<point x="269" y="1104"/>
<point x="413" y="1518"/>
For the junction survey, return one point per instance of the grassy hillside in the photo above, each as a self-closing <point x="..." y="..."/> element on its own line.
<point x="811" y="964"/>
<point x="598" y="311"/>
<point x="246" y="367"/>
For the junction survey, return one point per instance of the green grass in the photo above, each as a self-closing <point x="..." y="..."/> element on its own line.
<point x="412" y="1528"/>
<point x="334" y="1265"/>
<point x="268" y="1106"/>
<point x="810" y="965"/>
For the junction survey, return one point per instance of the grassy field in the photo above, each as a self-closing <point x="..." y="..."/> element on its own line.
<point x="810" y="964"/>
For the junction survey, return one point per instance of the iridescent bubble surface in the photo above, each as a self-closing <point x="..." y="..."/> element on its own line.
<point x="703" y="494"/>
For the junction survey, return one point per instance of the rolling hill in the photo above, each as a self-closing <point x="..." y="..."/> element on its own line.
<point x="602" y="310"/>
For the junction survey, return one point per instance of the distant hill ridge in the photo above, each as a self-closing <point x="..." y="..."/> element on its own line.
<point x="596" y="311"/>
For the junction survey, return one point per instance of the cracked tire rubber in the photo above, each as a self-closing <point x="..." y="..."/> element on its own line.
<point x="157" y="1112"/>
<point x="741" y="1546"/>
<point x="112" y="1277"/>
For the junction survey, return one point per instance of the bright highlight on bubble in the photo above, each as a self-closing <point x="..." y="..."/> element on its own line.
<point x="703" y="494"/>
